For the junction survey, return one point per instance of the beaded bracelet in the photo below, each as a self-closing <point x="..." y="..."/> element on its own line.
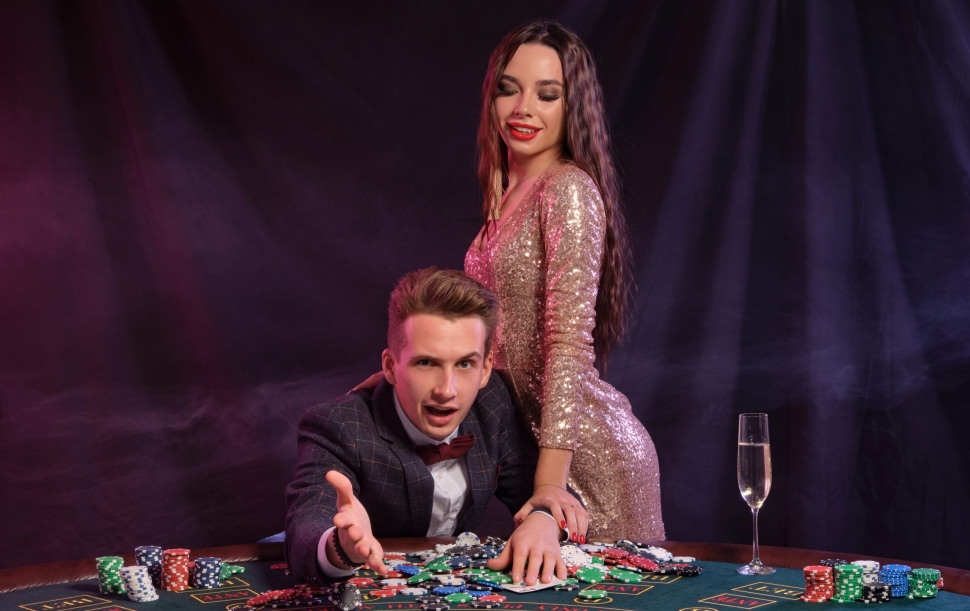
<point x="342" y="554"/>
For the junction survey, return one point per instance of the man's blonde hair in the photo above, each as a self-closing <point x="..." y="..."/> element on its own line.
<point x="442" y="292"/>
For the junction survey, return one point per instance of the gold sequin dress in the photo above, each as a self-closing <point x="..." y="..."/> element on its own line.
<point x="544" y="265"/>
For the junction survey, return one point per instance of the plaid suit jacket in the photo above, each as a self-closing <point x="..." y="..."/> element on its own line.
<point x="361" y="436"/>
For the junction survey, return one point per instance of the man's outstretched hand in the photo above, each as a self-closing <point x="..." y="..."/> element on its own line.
<point x="353" y="528"/>
<point x="533" y="552"/>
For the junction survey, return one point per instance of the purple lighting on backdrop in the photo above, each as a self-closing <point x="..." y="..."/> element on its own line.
<point x="203" y="206"/>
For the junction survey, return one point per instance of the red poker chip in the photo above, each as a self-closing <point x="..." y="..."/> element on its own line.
<point x="394" y="557"/>
<point x="384" y="593"/>
<point x="394" y="575"/>
<point x="495" y="598"/>
<point x="361" y="582"/>
<point x="643" y="563"/>
<point x="615" y="552"/>
<point x="395" y="589"/>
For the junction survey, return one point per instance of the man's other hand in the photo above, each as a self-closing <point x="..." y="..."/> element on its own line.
<point x="533" y="551"/>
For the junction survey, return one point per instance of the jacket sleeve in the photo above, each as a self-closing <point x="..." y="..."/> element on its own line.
<point x="311" y="501"/>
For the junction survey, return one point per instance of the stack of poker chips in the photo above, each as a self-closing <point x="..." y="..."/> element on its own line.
<point x="138" y="582"/>
<point x="109" y="574"/>
<point x="207" y="572"/>
<point x="848" y="583"/>
<point x="819" y="584"/>
<point x="175" y="569"/>
<point x="876" y="592"/>
<point x="922" y="583"/>
<point x="870" y="570"/>
<point x="151" y="556"/>
<point x="896" y="575"/>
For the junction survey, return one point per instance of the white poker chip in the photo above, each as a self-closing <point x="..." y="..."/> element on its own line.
<point x="426" y="554"/>
<point x="592" y="547"/>
<point x="573" y="556"/>
<point x="659" y="552"/>
<point x="443" y="547"/>
<point x="468" y="538"/>
<point x="394" y="582"/>
<point x="395" y="562"/>
<point x="413" y="591"/>
<point x="684" y="559"/>
<point x="450" y="580"/>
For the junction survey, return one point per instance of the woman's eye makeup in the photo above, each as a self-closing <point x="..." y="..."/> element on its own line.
<point x="550" y="96"/>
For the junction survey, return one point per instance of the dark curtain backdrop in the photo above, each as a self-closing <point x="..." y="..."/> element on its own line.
<point x="204" y="205"/>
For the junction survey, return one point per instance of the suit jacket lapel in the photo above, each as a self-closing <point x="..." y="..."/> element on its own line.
<point x="420" y="485"/>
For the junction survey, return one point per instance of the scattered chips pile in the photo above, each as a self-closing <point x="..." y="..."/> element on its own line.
<point x="848" y="583"/>
<point x="175" y="569"/>
<point x="922" y="583"/>
<point x="228" y="570"/>
<point x="138" y="582"/>
<point x="819" y="584"/>
<point x="109" y="574"/>
<point x="897" y="576"/>
<point x="150" y="556"/>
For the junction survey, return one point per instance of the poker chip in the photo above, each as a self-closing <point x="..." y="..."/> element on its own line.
<point x="346" y="596"/>
<point x="408" y="569"/>
<point x="628" y="546"/>
<point x="468" y="538"/>
<point x="658" y="554"/>
<point x="477" y="587"/>
<point x="414" y="591"/>
<point x="175" y="569"/>
<point x="419" y="578"/>
<point x="382" y="593"/>
<point x="592" y="594"/>
<point x="228" y="570"/>
<point x="206" y="572"/>
<point x="897" y="576"/>
<point x="690" y="570"/>
<point x="615" y="552"/>
<point x="427" y="600"/>
<point x="450" y="580"/>
<point x="446" y="590"/>
<point x="643" y="563"/>
<point x="480" y="603"/>
<point x="832" y="562"/>
<point x="592" y="547"/>
<point x="459" y="598"/>
<point x="923" y="583"/>
<point x="392" y="581"/>
<point x="624" y="576"/>
<point x="876" y="593"/>
<point x="819" y="583"/>
<point x="495" y="598"/>
<point x="494" y="542"/>
<point x="497" y="578"/>
<point x="566" y="587"/>
<point x="589" y="574"/>
<point x="478" y="593"/>
<point x="572" y="555"/>
<point x="440" y="606"/>
<point x="848" y="583"/>
<point x="665" y="569"/>
<point x="683" y="559"/>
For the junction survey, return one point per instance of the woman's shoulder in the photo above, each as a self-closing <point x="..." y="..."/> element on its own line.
<point x="566" y="174"/>
<point x="568" y="187"/>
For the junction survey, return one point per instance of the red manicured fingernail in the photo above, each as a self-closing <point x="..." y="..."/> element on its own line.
<point x="582" y="538"/>
<point x="575" y="538"/>
<point x="562" y="523"/>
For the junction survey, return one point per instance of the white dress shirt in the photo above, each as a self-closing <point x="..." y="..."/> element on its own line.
<point x="450" y="493"/>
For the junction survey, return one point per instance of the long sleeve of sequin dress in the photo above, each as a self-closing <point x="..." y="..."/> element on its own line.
<point x="544" y="265"/>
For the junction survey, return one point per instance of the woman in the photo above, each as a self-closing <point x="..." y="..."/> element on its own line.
<point x="554" y="250"/>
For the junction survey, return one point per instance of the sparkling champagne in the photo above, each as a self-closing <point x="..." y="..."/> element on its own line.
<point x="754" y="472"/>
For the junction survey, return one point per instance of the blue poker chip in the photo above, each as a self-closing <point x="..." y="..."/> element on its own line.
<point x="446" y="590"/>
<point x="460" y="562"/>
<point x="477" y="593"/>
<point x="408" y="569"/>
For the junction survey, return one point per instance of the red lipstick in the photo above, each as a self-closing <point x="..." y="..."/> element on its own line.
<point x="522" y="135"/>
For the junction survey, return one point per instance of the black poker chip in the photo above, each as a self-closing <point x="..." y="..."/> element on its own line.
<point x="477" y="587"/>
<point x="428" y="599"/>
<point x="689" y="571"/>
<point x="442" y="606"/>
<point x="346" y="596"/>
<point x="566" y="587"/>
<point x="483" y="604"/>
<point x="833" y="562"/>
<point x="627" y="545"/>
<point x="495" y="541"/>
<point x="666" y="569"/>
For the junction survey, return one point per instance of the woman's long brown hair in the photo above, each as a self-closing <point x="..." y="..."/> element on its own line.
<point x="587" y="145"/>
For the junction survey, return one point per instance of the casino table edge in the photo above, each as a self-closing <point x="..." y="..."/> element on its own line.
<point x="19" y="578"/>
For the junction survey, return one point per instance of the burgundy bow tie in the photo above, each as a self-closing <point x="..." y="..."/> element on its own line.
<point x="458" y="447"/>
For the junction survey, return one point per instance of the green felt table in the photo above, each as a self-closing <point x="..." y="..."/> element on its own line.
<point x="719" y="588"/>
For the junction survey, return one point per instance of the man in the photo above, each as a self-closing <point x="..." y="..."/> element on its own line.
<point x="377" y="453"/>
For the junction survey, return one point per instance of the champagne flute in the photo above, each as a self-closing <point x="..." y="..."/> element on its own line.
<point x="754" y="477"/>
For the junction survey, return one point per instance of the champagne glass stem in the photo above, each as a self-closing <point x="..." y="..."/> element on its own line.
<point x="756" y="551"/>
